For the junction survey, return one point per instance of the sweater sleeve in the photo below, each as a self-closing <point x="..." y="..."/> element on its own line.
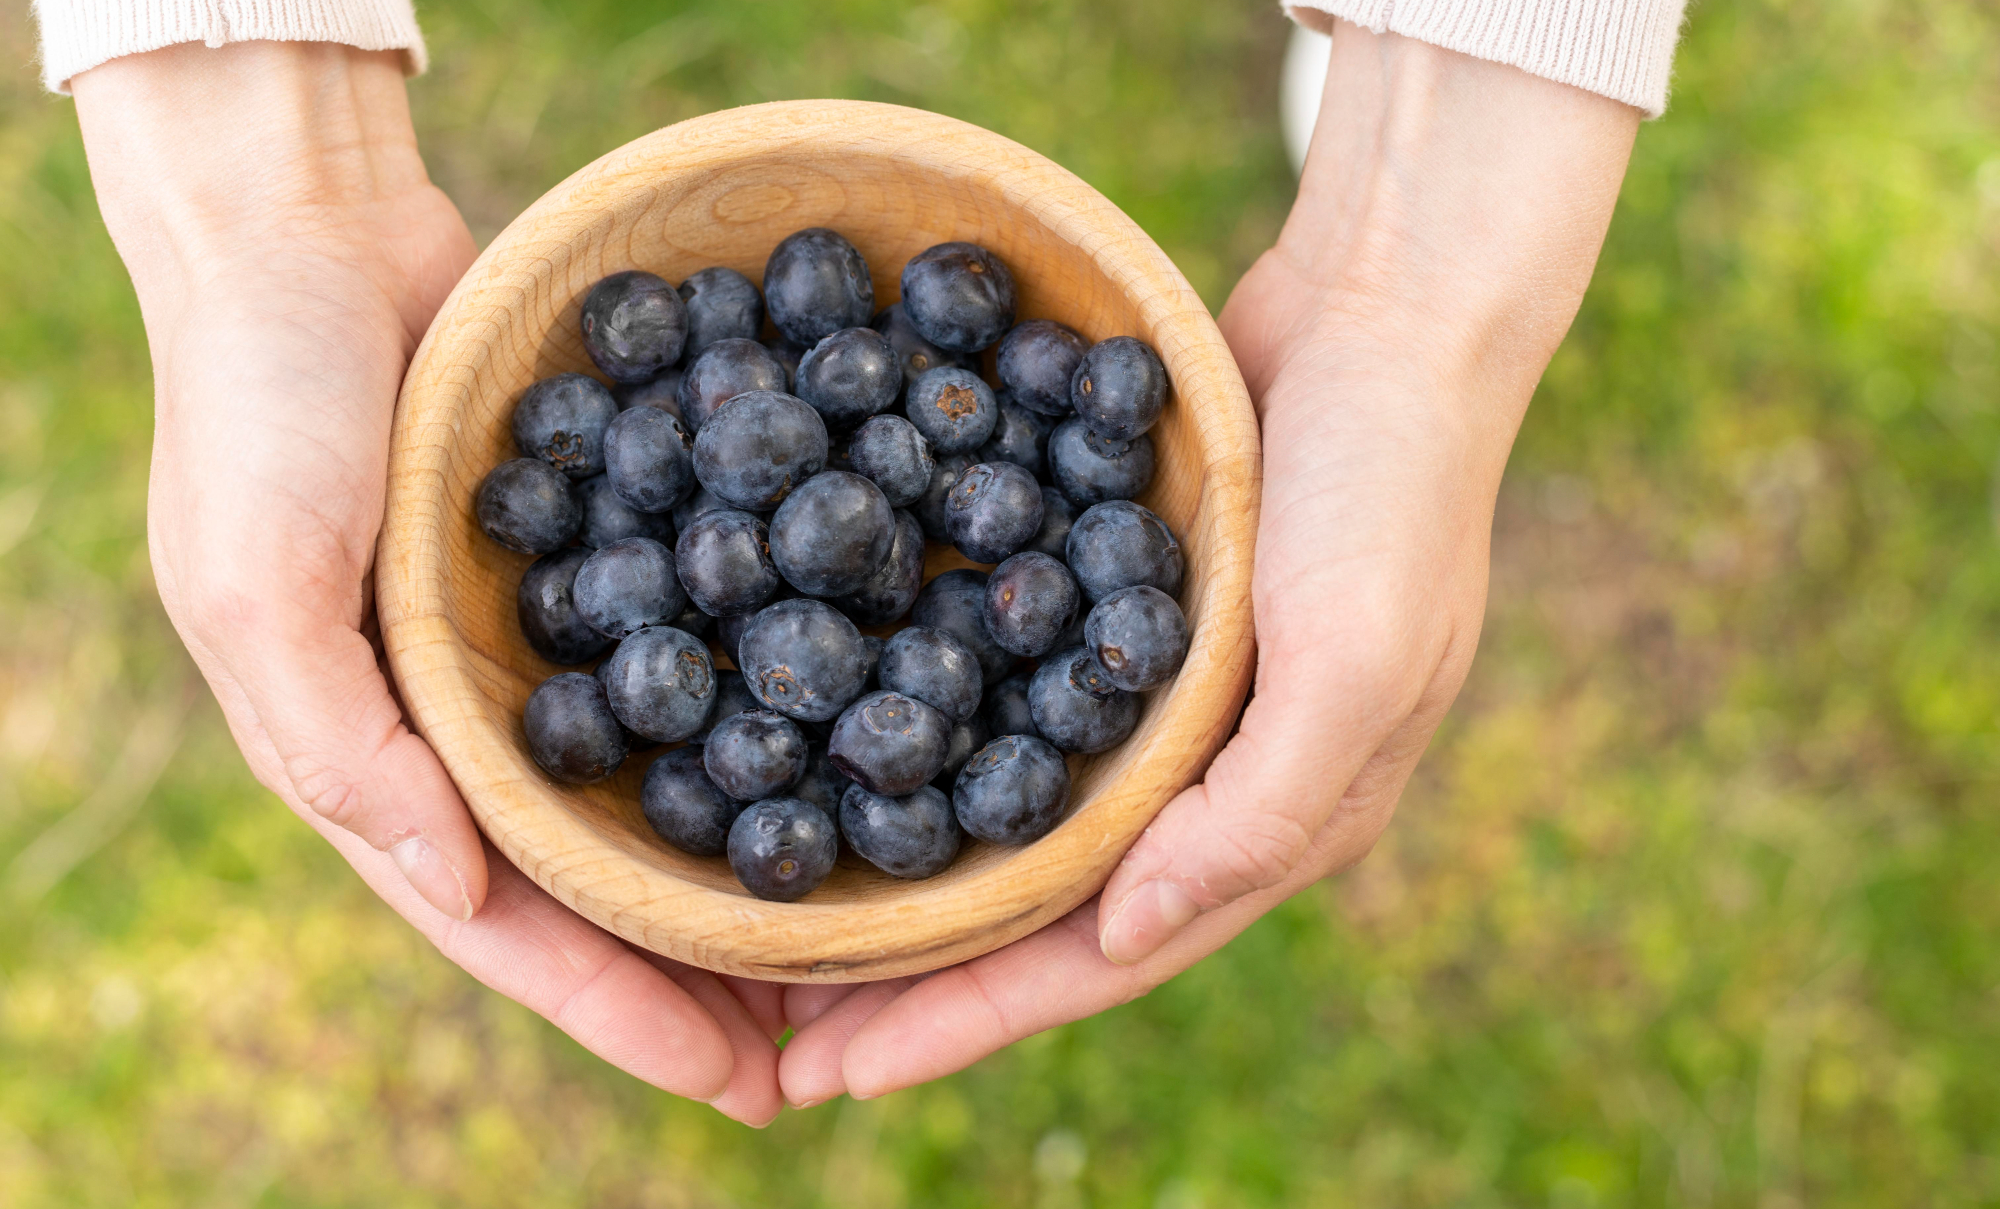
<point x="1622" y="49"/>
<point x="77" y="35"/>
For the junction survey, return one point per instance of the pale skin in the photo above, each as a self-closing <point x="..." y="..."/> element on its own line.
<point x="288" y="251"/>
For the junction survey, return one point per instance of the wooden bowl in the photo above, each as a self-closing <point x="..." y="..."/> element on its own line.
<point x="723" y="190"/>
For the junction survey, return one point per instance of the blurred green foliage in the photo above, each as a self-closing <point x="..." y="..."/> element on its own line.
<point x="1691" y="904"/>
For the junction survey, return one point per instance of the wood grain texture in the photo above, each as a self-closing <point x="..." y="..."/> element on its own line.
<point x="722" y="190"/>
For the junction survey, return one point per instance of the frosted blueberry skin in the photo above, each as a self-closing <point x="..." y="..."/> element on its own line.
<point x="572" y="733"/>
<point x="627" y="586"/>
<point x="1030" y="599"/>
<point x="754" y="754"/>
<point x="732" y="697"/>
<point x="1139" y="636"/>
<point x="649" y="460"/>
<point x="662" y="392"/>
<point x="849" y="376"/>
<point x="561" y="420"/>
<point x="607" y="518"/>
<point x="684" y="807"/>
<point x="1036" y="362"/>
<point x="724" y="563"/>
<point x="803" y="659"/>
<point x="722" y="304"/>
<point x="958" y="296"/>
<point x="913" y="836"/>
<point x="892" y="589"/>
<point x="953" y="408"/>
<point x="781" y="849"/>
<point x="726" y="369"/>
<point x="660" y="683"/>
<point x="993" y="510"/>
<point x="889" y="743"/>
<point x="1058" y="514"/>
<point x="1006" y="710"/>
<point x="1121" y="544"/>
<point x="816" y="283"/>
<point x="1076" y="707"/>
<point x="700" y="500"/>
<point x="1020" y="436"/>
<point x="823" y="784"/>
<point x="634" y="325"/>
<point x="956" y="603"/>
<point x="1120" y="388"/>
<point x="890" y="452"/>
<point x="1091" y="469"/>
<point x="546" y="605"/>
<point x="1014" y="791"/>
<point x="832" y="534"/>
<point x="915" y="354"/>
<point x="935" y="668"/>
<point x="526" y="505"/>
<point x="929" y="508"/>
<point x="787" y="355"/>
<point x="758" y="447"/>
<point x="966" y="738"/>
<point x="693" y="620"/>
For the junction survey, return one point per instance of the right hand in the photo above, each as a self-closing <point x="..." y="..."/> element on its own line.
<point x="289" y="251"/>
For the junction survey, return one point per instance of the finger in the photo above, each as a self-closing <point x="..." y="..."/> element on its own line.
<point x="752" y="1096"/>
<point x="765" y="1002"/>
<point x="810" y="1071"/>
<point x="805" y="1002"/>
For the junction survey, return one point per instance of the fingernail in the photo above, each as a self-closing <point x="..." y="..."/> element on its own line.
<point x="802" y="1105"/>
<point x="855" y="1095"/>
<point x="1150" y="917"/>
<point x="431" y="877"/>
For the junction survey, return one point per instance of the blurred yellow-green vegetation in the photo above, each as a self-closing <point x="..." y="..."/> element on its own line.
<point x="1693" y="902"/>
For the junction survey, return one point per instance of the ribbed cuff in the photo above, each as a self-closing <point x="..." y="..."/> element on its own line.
<point x="1622" y="49"/>
<point x="77" y="35"/>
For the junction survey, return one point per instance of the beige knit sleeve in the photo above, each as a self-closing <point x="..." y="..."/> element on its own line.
<point x="77" y="35"/>
<point x="1622" y="49"/>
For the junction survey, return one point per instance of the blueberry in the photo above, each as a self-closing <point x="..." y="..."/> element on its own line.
<point x="1120" y="388"/>
<point x="815" y="284"/>
<point x="721" y="305"/>
<point x="803" y="659"/>
<point x="958" y="296"/>
<point x="929" y="508"/>
<point x="1139" y="636"/>
<point x="890" y="743"/>
<point x="662" y="392"/>
<point x="782" y="848"/>
<point x="724" y="561"/>
<point x="912" y="836"/>
<point x="914" y="353"/>
<point x="893" y="588"/>
<point x="755" y="754"/>
<point x="935" y="668"/>
<point x="607" y="518"/>
<point x="1091" y="469"/>
<point x="890" y="451"/>
<point x="966" y="738"/>
<point x="1006" y="710"/>
<point x="953" y="408"/>
<point x="729" y="636"/>
<point x="1036" y="362"/>
<point x="661" y="683"/>
<point x="648" y="458"/>
<point x="693" y="620"/>
<point x="685" y="807"/>
<point x="1030" y="598"/>
<point x="787" y="355"/>
<point x="849" y="376"/>
<point x="994" y="510"/>
<point x="1013" y="792"/>
<point x="571" y="731"/>
<point x="1058" y="514"/>
<point x="823" y="784"/>
<point x="1075" y="705"/>
<point x="561" y="420"/>
<point x="725" y="370"/>
<point x="634" y="325"/>
<point x="1121" y="544"/>
<point x="546" y="607"/>
<point x="526" y="505"/>
<point x="832" y="534"/>
<point x="1020" y="436"/>
<point x="955" y="602"/>
<point x="700" y="500"/>
<point x="757" y="447"/>
<point x="627" y="586"/>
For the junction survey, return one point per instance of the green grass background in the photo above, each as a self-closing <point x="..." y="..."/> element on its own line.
<point x="1693" y="902"/>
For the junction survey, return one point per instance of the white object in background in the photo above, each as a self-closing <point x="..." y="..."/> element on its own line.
<point x="1299" y="89"/>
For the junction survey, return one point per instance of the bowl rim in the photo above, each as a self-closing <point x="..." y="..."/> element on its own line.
<point x="920" y="930"/>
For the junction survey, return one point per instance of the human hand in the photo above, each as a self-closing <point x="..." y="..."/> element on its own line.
<point x="1447" y="223"/>
<point x="289" y="251"/>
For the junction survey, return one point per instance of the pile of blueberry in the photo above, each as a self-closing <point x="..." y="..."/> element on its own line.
<point x="768" y="497"/>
